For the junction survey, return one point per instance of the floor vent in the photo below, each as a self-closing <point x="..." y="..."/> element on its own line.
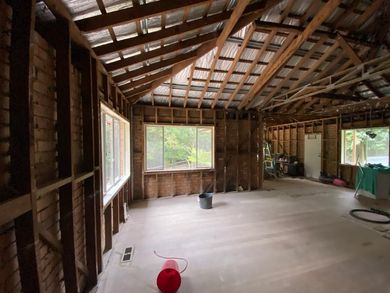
<point x="128" y="254"/>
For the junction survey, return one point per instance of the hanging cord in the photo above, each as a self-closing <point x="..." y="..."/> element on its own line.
<point x="179" y="258"/>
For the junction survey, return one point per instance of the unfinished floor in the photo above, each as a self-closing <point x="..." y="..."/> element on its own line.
<point x="295" y="236"/>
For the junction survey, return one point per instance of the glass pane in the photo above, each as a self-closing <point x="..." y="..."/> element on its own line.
<point x="205" y="149"/>
<point x="366" y="145"/>
<point x="179" y="147"/>
<point x="116" y="150"/>
<point x="154" y="148"/>
<point x="108" y="152"/>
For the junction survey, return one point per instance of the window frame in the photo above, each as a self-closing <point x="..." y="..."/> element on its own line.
<point x="212" y="127"/>
<point x="118" y="181"/>
<point x="342" y="144"/>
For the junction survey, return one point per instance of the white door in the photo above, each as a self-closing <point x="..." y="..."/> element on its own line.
<point x="312" y="155"/>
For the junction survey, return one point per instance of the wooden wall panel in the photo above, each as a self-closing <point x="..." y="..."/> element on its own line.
<point x="240" y="163"/>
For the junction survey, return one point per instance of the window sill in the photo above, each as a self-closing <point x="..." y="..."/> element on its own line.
<point x="153" y="172"/>
<point x="109" y="195"/>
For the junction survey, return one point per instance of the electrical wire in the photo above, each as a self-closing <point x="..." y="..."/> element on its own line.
<point x="178" y="258"/>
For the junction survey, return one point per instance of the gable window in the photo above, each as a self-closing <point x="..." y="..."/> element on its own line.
<point x="365" y="145"/>
<point x="115" y="148"/>
<point x="179" y="147"/>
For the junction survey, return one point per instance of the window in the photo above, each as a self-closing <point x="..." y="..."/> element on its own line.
<point x="365" y="145"/>
<point x="179" y="147"/>
<point x="115" y="148"/>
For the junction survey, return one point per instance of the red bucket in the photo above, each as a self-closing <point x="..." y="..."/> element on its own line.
<point x="169" y="280"/>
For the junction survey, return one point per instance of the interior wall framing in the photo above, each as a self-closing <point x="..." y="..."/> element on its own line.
<point x="236" y="153"/>
<point x="290" y="139"/>
<point x="51" y="207"/>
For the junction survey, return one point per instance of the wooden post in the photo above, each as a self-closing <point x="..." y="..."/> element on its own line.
<point x="89" y="160"/>
<point x="261" y="154"/>
<point x="224" y="151"/>
<point x="22" y="141"/>
<point x="97" y="164"/>
<point x="237" y="151"/>
<point x="115" y="214"/>
<point x="108" y="227"/>
<point x="65" y="168"/>
<point x="214" y="165"/>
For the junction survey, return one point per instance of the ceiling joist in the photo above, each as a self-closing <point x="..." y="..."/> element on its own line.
<point x="131" y="14"/>
<point x="270" y="71"/>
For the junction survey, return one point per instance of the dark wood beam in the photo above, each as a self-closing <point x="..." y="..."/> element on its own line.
<point x="160" y="52"/>
<point x="22" y="143"/>
<point x="266" y="25"/>
<point x="97" y="163"/>
<point x="205" y="48"/>
<point x="133" y="14"/>
<point x="270" y="71"/>
<point x="145" y="80"/>
<point x="174" y="30"/>
<point x="63" y="72"/>
<point x="91" y="237"/>
<point x="154" y="66"/>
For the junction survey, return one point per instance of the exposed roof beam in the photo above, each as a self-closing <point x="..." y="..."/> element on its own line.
<point x="160" y="52"/>
<point x="174" y="30"/>
<point x="189" y="84"/>
<point x="297" y="66"/>
<point x="354" y="75"/>
<point x="133" y="14"/>
<point x="264" y="25"/>
<point x="251" y="67"/>
<point x="154" y="66"/>
<point x="227" y="76"/>
<point x="368" y="12"/>
<point x="203" y="49"/>
<point x="145" y="80"/>
<point x="227" y="29"/>
<point x="356" y="60"/>
<point x="275" y="57"/>
<point x="270" y="71"/>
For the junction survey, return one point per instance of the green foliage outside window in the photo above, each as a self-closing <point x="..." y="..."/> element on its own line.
<point x="359" y="146"/>
<point x="179" y="147"/>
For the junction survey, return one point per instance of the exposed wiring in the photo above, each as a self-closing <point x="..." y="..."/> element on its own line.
<point x="179" y="258"/>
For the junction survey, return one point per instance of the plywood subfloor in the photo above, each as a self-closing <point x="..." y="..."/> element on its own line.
<point x="296" y="236"/>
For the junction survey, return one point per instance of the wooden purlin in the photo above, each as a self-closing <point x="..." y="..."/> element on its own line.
<point x="251" y="67"/>
<point x="227" y="76"/>
<point x="285" y="45"/>
<point x="368" y="12"/>
<point x="227" y="29"/>
<point x="348" y="77"/>
<point x="244" y="20"/>
<point x="135" y="13"/>
<point x="270" y="71"/>
<point x="189" y="84"/>
<point x="176" y="30"/>
<point x="297" y="66"/>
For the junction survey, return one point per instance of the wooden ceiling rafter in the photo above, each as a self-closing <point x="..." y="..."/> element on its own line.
<point x="368" y="12"/>
<point x="270" y="71"/>
<point x="354" y="75"/>
<point x="356" y="61"/>
<point x="286" y="43"/>
<point x="175" y="30"/>
<point x="302" y="78"/>
<point x="301" y="62"/>
<point x="227" y="29"/>
<point x="132" y="14"/>
<point x="233" y="65"/>
<point x="251" y="67"/>
<point x="257" y="10"/>
<point x="192" y="70"/>
<point x="161" y="51"/>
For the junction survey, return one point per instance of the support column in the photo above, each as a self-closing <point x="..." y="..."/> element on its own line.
<point x="22" y="141"/>
<point x="65" y="166"/>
